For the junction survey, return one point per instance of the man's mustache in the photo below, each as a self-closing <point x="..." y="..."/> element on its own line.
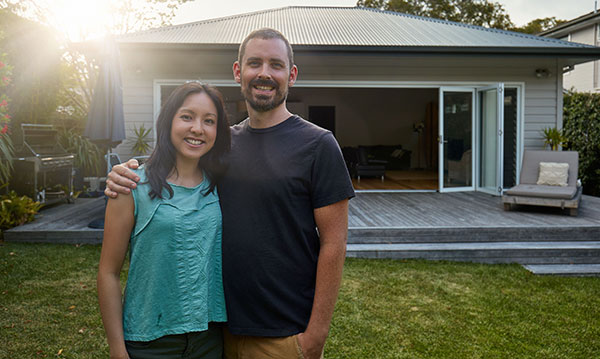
<point x="263" y="82"/>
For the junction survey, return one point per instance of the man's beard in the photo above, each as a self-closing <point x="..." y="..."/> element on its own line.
<point x="263" y="103"/>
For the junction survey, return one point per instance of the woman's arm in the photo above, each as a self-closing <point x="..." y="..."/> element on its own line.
<point x="118" y="224"/>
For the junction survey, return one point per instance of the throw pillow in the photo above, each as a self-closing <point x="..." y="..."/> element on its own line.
<point x="553" y="174"/>
<point x="397" y="153"/>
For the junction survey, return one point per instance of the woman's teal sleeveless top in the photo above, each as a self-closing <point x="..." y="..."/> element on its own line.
<point x="174" y="284"/>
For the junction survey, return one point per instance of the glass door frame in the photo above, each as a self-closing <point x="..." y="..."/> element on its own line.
<point x="441" y="137"/>
<point x="499" y="185"/>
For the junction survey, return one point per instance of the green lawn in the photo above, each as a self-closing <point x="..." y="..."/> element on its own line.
<point x="387" y="309"/>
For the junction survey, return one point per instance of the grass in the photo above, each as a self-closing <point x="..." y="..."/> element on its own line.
<point x="386" y="309"/>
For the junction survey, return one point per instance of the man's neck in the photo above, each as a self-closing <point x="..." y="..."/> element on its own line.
<point x="269" y="118"/>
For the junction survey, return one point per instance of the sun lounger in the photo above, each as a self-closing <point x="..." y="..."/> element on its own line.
<point x="529" y="192"/>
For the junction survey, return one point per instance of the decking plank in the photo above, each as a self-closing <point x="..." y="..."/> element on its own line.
<point x="413" y="210"/>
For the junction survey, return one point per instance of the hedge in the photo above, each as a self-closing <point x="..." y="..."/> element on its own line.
<point x="581" y="128"/>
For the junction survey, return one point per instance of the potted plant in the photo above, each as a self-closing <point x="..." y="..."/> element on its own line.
<point x="553" y="137"/>
<point x="140" y="143"/>
<point x="88" y="156"/>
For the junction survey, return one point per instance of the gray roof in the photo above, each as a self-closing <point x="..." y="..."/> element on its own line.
<point x="351" y="28"/>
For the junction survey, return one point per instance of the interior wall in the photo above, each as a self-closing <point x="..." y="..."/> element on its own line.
<point x="363" y="116"/>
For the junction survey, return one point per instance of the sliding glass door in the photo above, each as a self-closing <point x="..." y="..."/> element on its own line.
<point x="456" y="138"/>
<point x="490" y="124"/>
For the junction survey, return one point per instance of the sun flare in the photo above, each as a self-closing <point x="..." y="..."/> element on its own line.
<point x="79" y="19"/>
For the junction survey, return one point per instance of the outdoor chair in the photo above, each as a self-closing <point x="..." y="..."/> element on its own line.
<point x="550" y="191"/>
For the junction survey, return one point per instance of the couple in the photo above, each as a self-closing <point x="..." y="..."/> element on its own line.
<point x="281" y="207"/>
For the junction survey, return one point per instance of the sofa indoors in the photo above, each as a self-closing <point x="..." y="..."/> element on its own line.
<point x="396" y="158"/>
<point x="375" y="160"/>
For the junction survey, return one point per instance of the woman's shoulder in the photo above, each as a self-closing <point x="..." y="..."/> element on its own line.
<point x="140" y="171"/>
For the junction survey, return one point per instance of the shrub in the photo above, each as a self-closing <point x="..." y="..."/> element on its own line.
<point x="88" y="156"/>
<point x="581" y="128"/>
<point x="6" y="145"/>
<point x="16" y="210"/>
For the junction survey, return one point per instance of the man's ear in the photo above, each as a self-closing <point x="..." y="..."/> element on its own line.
<point x="237" y="72"/>
<point x="293" y="76"/>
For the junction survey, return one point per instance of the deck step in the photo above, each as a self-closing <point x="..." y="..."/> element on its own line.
<point x="388" y="235"/>
<point x="564" y="269"/>
<point x="549" y="252"/>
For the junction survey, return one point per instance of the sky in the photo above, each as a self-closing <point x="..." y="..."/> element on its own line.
<point x="81" y="19"/>
<point x="520" y="11"/>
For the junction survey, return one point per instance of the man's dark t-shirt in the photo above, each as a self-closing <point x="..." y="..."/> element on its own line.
<point x="277" y="176"/>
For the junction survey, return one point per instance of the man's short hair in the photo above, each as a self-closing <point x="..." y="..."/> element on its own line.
<point x="266" y="34"/>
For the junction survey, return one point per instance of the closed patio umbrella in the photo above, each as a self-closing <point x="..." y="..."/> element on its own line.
<point x="106" y="121"/>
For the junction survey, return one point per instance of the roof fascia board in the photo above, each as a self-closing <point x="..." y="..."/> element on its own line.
<point x="588" y="53"/>
<point x="580" y="54"/>
<point x="572" y="25"/>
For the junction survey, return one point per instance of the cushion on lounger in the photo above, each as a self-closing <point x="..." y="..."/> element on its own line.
<point x="553" y="174"/>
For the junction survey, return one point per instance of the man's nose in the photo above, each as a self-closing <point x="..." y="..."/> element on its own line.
<point x="264" y="71"/>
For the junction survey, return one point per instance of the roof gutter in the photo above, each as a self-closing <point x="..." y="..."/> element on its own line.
<point x="583" y="52"/>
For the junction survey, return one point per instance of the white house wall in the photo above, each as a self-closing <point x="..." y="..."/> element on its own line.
<point x="581" y="78"/>
<point x="542" y="97"/>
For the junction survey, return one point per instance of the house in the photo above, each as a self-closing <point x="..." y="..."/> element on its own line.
<point x="585" y="29"/>
<point x="461" y="101"/>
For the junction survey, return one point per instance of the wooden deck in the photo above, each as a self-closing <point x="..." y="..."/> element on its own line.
<point x="460" y="209"/>
<point x="62" y="223"/>
<point x="472" y="226"/>
<point x="465" y="226"/>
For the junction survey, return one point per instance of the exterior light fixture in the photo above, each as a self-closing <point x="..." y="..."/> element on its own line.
<point x="542" y="73"/>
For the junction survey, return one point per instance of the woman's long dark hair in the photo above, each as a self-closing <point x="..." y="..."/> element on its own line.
<point x="163" y="159"/>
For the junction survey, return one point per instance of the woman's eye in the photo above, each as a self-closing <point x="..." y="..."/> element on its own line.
<point x="186" y="117"/>
<point x="210" y="121"/>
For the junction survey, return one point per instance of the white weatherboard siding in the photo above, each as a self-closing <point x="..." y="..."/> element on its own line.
<point x="542" y="97"/>
<point x="582" y="77"/>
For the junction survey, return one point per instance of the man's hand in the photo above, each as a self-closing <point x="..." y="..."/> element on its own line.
<point x="121" y="179"/>
<point x="311" y="345"/>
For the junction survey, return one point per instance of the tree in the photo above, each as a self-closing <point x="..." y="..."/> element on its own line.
<point x="474" y="12"/>
<point x="33" y="50"/>
<point x="127" y="15"/>
<point x="61" y="85"/>
<point x="538" y="25"/>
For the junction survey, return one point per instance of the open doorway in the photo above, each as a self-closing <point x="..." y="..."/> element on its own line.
<point x="388" y="136"/>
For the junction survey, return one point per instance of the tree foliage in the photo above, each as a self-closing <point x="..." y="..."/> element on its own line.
<point x="581" y="128"/>
<point x="34" y="52"/>
<point x="54" y="77"/>
<point x="126" y="15"/>
<point x="474" y="12"/>
<point x="538" y="25"/>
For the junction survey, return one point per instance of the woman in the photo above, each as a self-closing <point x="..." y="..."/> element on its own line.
<point x="172" y="223"/>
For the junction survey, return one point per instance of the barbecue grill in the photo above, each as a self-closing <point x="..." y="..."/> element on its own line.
<point x="42" y="168"/>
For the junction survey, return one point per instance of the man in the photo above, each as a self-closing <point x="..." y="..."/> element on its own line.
<point x="285" y="214"/>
